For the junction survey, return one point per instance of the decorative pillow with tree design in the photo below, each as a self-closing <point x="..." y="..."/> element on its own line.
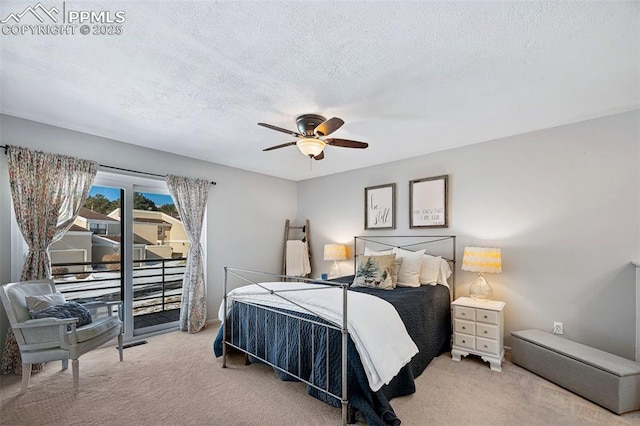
<point x="375" y="272"/>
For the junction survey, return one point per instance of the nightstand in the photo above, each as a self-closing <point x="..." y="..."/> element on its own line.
<point x="478" y="329"/>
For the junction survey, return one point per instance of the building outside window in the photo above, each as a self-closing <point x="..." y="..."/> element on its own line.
<point x="98" y="228"/>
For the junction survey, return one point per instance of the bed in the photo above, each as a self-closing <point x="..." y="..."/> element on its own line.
<point x="325" y="333"/>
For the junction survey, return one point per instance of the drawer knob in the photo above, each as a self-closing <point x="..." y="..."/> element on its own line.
<point x="464" y="328"/>
<point x="463" y="314"/>
<point x="464" y="341"/>
<point x="486" y="346"/>
<point x="485" y="332"/>
<point x="486" y="317"/>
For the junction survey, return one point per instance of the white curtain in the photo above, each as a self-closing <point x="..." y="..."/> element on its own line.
<point x="190" y="198"/>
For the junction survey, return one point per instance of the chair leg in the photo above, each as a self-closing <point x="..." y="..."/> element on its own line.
<point x="120" y="345"/>
<point x="65" y="364"/>
<point x="75" y="368"/>
<point x="26" y="376"/>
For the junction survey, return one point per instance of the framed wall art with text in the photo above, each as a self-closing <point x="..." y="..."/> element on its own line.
<point x="428" y="202"/>
<point x="380" y="207"/>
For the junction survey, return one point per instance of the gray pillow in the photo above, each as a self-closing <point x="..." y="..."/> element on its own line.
<point x="65" y="310"/>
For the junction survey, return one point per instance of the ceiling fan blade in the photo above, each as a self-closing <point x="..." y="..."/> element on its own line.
<point x="280" y="129"/>
<point x="328" y="127"/>
<point x="319" y="156"/>
<point x="345" y="143"/>
<point x="279" y="146"/>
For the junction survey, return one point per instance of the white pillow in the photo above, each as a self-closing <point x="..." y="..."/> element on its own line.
<point x="409" y="273"/>
<point x="430" y="271"/>
<point x="445" y="272"/>
<point x="37" y="303"/>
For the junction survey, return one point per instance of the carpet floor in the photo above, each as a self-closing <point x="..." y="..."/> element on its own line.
<point x="174" y="379"/>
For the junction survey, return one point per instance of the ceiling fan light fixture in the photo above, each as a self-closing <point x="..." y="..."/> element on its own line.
<point x="313" y="129"/>
<point x="310" y="147"/>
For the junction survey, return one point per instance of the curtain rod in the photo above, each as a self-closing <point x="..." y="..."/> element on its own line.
<point x="117" y="168"/>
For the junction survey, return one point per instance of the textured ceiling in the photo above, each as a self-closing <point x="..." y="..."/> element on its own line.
<point x="409" y="78"/>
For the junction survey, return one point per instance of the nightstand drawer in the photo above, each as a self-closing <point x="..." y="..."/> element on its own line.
<point x="487" y="331"/>
<point x="465" y="341"/>
<point x="486" y="345"/>
<point x="463" y="312"/>
<point x="462" y="326"/>
<point x="484" y="315"/>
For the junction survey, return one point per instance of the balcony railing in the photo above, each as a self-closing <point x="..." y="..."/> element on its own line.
<point x="157" y="283"/>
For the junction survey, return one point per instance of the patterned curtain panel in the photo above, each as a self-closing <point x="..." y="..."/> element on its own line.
<point x="190" y="198"/>
<point x="47" y="191"/>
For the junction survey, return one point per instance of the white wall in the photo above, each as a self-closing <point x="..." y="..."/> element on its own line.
<point x="562" y="203"/>
<point x="246" y="211"/>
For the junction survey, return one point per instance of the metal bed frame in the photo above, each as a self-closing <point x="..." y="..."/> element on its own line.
<point x="342" y="328"/>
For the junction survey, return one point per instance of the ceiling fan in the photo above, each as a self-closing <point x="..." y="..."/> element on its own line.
<point x="312" y="132"/>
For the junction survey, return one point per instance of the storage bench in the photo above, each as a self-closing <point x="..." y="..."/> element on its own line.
<point x="606" y="379"/>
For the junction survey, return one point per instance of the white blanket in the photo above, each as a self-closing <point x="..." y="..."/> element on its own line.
<point x="297" y="259"/>
<point x="374" y="325"/>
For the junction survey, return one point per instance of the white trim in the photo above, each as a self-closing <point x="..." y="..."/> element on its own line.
<point x="637" y="265"/>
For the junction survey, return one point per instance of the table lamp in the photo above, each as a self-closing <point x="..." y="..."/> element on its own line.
<point x="481" y="260"/>
<point x="335" y="252"/>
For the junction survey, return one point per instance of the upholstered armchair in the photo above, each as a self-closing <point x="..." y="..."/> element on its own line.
<point x="52" y="339"/>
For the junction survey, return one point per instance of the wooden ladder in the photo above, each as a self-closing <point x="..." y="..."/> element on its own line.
<point x="307" y="237"/>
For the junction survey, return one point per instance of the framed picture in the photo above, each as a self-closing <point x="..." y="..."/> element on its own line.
<point x="380" y="207"/>
<point x="428" y="203"/>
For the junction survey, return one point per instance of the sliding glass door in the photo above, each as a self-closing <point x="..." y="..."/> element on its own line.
<point x="159" y="256"/>
<point x="127" y="244"/>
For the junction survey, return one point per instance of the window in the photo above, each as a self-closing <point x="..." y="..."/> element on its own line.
<point x="98" y="228"/>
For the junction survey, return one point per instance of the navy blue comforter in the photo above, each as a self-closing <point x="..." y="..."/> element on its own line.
<point x="425" y="312"/>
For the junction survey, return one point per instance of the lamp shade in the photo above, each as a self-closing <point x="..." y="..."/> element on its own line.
<point x="335" y="252"/>
<point x="310" y="147"/>
<point x="481" y="259"/>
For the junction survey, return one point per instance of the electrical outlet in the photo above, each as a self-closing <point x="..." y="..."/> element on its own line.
<point x="558" y="328"/>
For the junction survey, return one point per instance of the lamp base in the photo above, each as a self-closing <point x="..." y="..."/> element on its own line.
<point x="480" y="290"/>
<point x="334" y="272"/>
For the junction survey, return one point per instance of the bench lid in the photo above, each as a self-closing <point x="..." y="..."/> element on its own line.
<point x="602" y="360"/>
